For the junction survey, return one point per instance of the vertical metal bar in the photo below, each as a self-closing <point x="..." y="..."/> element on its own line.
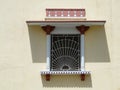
<point x="65" y="45"/>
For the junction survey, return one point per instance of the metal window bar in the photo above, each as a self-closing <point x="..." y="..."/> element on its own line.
<point x="65" y="52"/>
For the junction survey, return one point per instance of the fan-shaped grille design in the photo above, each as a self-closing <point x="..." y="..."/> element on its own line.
<point x="65" y="52"/>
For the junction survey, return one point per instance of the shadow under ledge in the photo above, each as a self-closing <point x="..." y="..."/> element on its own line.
<point x="67" y="80"/>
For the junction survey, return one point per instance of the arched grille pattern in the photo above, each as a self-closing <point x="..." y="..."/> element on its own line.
<point x="65" y="52"/>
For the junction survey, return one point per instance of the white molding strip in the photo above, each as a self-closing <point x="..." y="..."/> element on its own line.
<point x="82" y="53"/>
<point x="64" y="72"/>
<point x="73" y="23"/>
<point x="48" y="52"/>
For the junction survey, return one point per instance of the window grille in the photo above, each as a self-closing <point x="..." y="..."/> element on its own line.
<point x="65" y="52"/>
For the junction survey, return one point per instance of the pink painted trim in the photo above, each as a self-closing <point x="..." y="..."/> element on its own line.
<point x="65" y="12"/>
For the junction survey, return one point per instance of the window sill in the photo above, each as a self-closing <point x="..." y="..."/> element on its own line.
<point x="64" y="72"/>
<point x="81" y="73"/>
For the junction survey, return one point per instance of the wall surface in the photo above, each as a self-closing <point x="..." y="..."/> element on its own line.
<point x="23" y="47"/>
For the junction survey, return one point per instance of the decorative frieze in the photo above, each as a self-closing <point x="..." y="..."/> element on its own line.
<point x="65" y="13"/>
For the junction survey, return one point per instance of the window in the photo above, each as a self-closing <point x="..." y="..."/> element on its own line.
<point x="65" y="52"/>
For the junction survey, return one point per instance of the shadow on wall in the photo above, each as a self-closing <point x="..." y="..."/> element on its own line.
<point x="38" y="44"/>
<point x="96" y="47"/>
<point x="72" y="81"/>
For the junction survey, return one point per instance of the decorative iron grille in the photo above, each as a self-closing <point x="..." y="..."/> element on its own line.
<point x="65" y="52"/>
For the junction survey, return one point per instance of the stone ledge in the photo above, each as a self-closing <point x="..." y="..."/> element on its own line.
<point x="64" y="72"/>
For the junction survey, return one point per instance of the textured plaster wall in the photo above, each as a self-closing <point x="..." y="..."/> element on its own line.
<point x="116" y="43"/>
<point x="23" y="47"/>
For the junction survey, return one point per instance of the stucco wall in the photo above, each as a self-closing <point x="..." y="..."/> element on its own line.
<point x="23" y="47"/>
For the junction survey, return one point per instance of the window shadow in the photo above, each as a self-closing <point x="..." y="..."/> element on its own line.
<point x="96" y="46"/>
<point x="37" y="43"/>
<point x="61" y="81"/>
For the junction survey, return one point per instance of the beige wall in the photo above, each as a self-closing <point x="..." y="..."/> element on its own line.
<point x="22" y="47"/>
